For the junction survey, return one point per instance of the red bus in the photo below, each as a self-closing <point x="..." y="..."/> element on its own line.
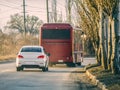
<point x="57" y="39"/>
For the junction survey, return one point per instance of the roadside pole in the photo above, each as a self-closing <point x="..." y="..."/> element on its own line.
<point x="24" y="18"/>
<point x="47" y="9"/>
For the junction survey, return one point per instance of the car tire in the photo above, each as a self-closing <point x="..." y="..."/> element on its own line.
<point x="22" y="68"/>
<point x="18" y="68"/>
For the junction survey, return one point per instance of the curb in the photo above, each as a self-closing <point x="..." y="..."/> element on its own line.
<point x="6" y="61"/>
<point x="95" y="81"/>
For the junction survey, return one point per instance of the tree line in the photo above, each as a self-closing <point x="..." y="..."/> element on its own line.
<point x="14" y="38"/>
<point x="99" y="21"/>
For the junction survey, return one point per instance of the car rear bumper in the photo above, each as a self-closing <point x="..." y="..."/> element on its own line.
<point x="31" y="66"/>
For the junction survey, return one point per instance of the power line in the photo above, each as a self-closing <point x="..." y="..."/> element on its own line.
<point x="12" y="3"/>
<point x="10" y="6"/>
<point x="6" y="11"/>
<point x="35" y="11"/>
<point x="15" y="3"/>
<point x="34" y="7"/>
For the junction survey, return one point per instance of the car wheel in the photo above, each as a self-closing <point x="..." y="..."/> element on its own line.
<point x="22" y="68"/>
<point x="18" y="68"/>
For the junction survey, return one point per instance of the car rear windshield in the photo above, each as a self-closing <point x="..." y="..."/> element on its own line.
<point x="31" y="49"/>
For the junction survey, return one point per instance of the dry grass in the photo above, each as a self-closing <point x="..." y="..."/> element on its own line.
<point x="8" y="57"/>
<point x="110" y="80"/>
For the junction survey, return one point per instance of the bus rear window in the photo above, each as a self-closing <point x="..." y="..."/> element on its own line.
<point x="55" y="34"/>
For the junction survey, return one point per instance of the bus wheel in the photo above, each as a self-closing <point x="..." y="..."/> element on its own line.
<point x="71" y="64"/>
<point x="44" y="69"/>
<point x="79" y="64"/>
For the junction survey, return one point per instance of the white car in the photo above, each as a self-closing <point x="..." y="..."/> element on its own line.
<point x="32" y="57"/>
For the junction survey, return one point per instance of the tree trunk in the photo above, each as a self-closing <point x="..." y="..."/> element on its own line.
<point x="113" y="46"/>
<point x="98" y="56"/>
<point x="110" y="43"/>
<point x="102" y="47"/>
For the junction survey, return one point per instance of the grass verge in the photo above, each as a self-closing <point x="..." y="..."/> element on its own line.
<point x="8" y="57"/>
<point x="105" y="76"/>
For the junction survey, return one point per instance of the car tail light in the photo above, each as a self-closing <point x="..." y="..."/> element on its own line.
<point x="41" y="56"/>
<point x="20" y="56"/>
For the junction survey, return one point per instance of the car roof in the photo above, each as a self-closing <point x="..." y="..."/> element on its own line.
<point x="32" y="46"/>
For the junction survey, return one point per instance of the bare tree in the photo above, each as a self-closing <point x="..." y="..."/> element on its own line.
<point x="54" y="11"/>
<point x="98" y="22"/>
<point x="32" y="24"/>
<point x="69" y="4"/>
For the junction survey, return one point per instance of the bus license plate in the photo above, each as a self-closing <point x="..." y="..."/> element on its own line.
<point x="60" y="60"/>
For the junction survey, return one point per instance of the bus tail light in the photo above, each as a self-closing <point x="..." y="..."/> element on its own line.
<point x="41" y="57"/>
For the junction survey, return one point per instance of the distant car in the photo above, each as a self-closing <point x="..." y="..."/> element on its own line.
<point x="32" y="57"/>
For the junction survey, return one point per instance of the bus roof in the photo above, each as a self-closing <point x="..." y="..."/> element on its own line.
<point x="56" y="25"/>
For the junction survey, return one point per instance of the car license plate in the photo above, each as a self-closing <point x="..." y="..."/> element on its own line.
<point x="60" y="60"/>
<point x="29" y="63"/>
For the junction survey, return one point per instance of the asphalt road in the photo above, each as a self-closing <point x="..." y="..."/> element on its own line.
<point x="57" y="78"/>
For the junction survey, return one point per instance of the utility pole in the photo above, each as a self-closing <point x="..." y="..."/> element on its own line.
<point x="47" y="11"/>
<point x="54" y="10"/>
<point x="24" y="17"/>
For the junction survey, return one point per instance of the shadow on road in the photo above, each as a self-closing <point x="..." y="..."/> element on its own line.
<point x="31" y="70"/>
<point x="50" y="71"/>
<point x="59" y="69"/>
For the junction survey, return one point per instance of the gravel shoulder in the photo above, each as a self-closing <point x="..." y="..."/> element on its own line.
<point x="111" y="81"/>
<point x="79" y="77"/>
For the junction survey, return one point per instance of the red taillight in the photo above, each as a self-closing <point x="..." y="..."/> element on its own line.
<point x="41" y="56"/>
<point x="20" y="56"/>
